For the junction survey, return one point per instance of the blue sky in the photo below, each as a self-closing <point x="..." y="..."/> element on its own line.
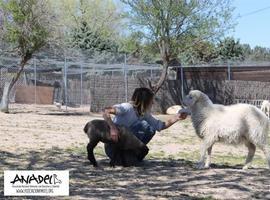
<point x="253" y="29"/>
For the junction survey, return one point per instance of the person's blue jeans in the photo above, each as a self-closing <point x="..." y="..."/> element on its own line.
<point x="142" y="130"/>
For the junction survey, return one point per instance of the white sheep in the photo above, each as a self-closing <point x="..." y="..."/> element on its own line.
<point x="234" y="124"/>
<point x="265" y="107"/>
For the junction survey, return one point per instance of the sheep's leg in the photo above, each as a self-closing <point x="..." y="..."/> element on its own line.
<point x="251" y="152"/>
<point x="266" y="151"/>
<point x="90" y="150"/>
<point x="204" y="147"/>
<point x="208" y="158"/>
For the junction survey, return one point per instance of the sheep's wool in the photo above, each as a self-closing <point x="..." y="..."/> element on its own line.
<point x="234" y="124"/>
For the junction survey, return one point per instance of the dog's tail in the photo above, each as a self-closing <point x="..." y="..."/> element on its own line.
<point x="86" y="127"/>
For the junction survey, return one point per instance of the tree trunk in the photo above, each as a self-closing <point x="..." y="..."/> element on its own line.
<point x="5" y="98"/>
<point x="162" y="78"/>
<point x="4" y="106"/>
<point x="164" y="51"/>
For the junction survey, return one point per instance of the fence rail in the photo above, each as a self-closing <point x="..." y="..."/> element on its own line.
<point x="257" y="102"/>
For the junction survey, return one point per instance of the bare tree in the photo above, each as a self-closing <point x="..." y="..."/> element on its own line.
<point x="174" y="25"/>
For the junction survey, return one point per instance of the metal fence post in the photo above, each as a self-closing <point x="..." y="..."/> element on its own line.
<point x="65" y="81"/>
<point x="91" y="91"/>
<point x="229" y="71"/>
<point x="1" y="76"/>
<point x="81" y="83"/>
<point x="35" y="71"/>
<point x="182" y="81"/>
<point x="94" y="87"/>
<point x="126" y="81"/>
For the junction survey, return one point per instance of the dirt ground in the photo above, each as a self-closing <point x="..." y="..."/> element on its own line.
<point x="43" y="137"/>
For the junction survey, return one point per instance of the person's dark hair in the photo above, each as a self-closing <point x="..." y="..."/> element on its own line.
<point x="141" y="99"/>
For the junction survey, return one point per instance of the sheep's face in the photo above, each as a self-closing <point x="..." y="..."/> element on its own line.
<point x="192" y="98"/>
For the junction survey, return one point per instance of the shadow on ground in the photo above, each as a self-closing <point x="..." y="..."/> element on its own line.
<point x="174" y="179"/>
<point x="67" y="113"/>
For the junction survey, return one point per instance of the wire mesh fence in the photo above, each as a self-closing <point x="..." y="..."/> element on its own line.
<point x="72" y="82"/>
<point x="67" y="82"/>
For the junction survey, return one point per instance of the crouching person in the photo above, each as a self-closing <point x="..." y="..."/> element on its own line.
<point x="136" y="116"/>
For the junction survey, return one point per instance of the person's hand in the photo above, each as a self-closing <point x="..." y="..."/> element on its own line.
<point x="182" y="116"/>
<point x="114" y="134"/>
<point x="183" y="113"/>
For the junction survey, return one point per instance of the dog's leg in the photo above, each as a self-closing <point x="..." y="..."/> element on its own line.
<point x="251" y="152"/>
<point x="208" y="158"/>
<point x="90" y="151"/>
<point x="115" y="152"/>
<point x="204" y="147"/>
<point x="143" y="152"/>
<point x="123" y="159"/>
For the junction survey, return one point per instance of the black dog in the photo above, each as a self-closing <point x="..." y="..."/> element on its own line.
<point x="99" y="131"/>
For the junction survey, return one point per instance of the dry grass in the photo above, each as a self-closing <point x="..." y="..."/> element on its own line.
<point x="51" y="139"/>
